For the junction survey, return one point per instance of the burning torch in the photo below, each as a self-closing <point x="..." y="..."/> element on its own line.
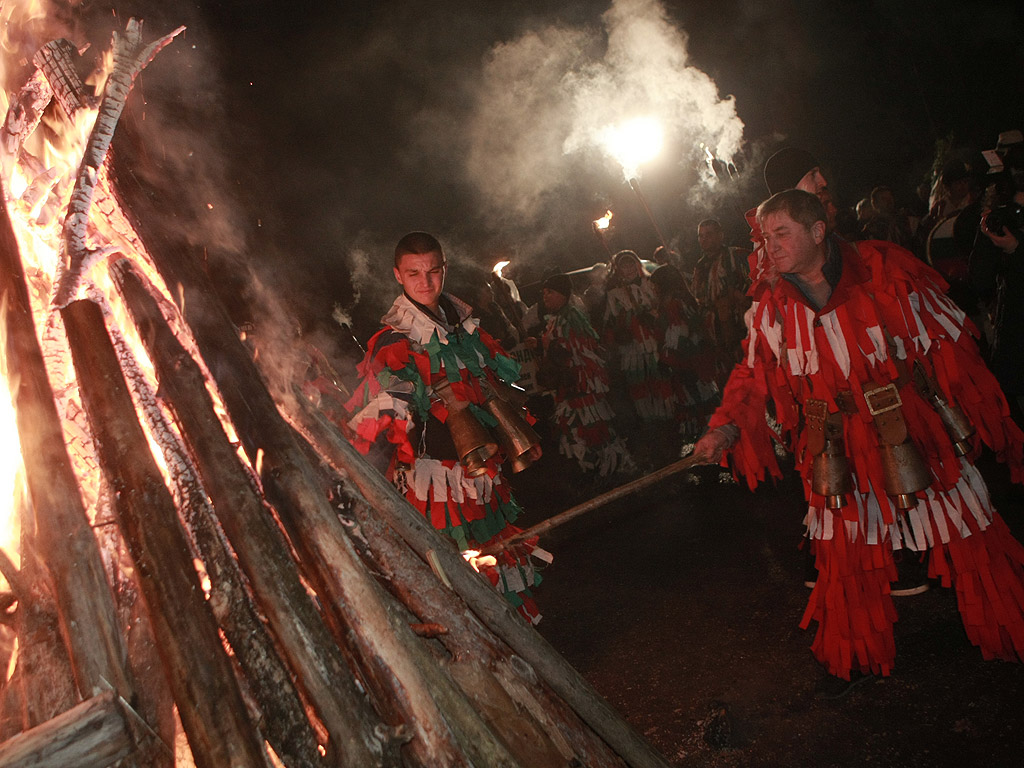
<point x="506" y="293"/>
<point x="601" y="229"/>
<point x="633" y="143"/>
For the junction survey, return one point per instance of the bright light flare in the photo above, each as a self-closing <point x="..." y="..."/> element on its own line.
<point x="478" y="561"/>
<point x="500" y="266"/>
<point x="633" y="143"/>
<point x="604" y="222"/>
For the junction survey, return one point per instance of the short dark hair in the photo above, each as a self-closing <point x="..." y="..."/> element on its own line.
<point x="803" y="207"/>
<point x="418" y="243"/>
<point x="710" y="223"/>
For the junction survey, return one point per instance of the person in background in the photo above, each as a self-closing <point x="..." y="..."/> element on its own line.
<point x="719" y="286"/>
<point x="573" y="368"/>
<point x="629" y="332"/>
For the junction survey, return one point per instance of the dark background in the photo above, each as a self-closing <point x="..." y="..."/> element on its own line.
<point x="309" y="138"/>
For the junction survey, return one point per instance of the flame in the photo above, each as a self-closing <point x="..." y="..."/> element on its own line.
<point x="478" y="561"/>
<point x="500" y="266"/>
<point x="633" y="143"/>
<point x="604" y="222"/>
<point x="11" y="466"/>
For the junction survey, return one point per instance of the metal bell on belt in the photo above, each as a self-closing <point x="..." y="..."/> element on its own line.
<point x="904" y="472"/>
<point x="473" y="443"/>
<point x="957" y="426"/>
<point x="516" y="437"/>
<point x="830" y="473"/>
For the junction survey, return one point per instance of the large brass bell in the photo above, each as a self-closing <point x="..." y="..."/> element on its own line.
<point x="473" y="443"/>
<point x="957" y="426"/>
<point x="830" y="473"/>
<point x="516" y="437"/>
<point x="904" y="473"/>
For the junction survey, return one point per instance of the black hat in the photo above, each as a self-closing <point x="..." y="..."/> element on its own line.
<point x="559" y="283"/>
<point x="786" y="167"/>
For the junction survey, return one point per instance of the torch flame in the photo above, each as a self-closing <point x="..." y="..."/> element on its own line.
<point x="633" y="143"/>
<point x="500" y="266"/>
<point x="604" y="222"/>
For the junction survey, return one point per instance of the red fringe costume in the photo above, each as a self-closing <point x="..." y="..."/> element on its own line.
<point x="885" y="300"/>
<point x="582" y="413"/>
<point x="396" y="413"/>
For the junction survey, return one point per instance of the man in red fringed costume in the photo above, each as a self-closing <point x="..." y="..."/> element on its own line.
<point x="430" y="368"/>
<point x="874" y="374"/>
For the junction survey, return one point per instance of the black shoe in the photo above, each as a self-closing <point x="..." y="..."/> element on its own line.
<point x="833" y="687"/>
<point x="912" y="574"/>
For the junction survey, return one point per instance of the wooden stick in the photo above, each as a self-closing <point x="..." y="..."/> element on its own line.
<point x="85" y="604"/>
<point x="198" y="670"/>
<point x="598" y="501"/>
<point x="490" y="607"/>
<point x="93" y="734"/>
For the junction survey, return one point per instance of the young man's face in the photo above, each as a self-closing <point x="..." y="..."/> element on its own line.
<point x="421" y="276"/>
<point x="792" y="247"/>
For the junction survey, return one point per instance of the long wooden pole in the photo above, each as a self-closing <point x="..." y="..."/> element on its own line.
<point x="595" y="503"/>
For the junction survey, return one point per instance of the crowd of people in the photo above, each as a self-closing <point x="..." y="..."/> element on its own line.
<point x="848" y="337"/>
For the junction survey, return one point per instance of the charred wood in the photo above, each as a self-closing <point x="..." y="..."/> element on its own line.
<point x="198" y="671"/>
<point x="86" y="609"/>
<point x="260" y="546"/>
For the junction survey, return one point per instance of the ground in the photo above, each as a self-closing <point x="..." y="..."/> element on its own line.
<point x="681" y="606"/>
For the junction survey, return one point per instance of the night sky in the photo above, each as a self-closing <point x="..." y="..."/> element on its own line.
<point x="320" y="135"/>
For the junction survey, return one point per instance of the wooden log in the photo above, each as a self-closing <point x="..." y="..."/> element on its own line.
<point x="262" y="550"/>
<point x="276" y="705"/>
<point x="93" y="734"/>
<point x="490" y="607"/>
<point x="393" y="664"/>
<point x="472" y="644"/>
<point x="198" y="671"/>
<point x="63" y="536"/>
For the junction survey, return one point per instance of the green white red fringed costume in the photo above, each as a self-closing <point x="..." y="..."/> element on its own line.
<point x="629" y="327"/>
<point x="582" y="413"/>
<point x="794" y="353"/>
<point x="691" y="361"/>
<point x="395" y="400"/>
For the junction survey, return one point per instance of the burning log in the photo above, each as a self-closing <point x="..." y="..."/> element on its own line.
<point x="257" y="542"/>
<point x="86" y="608"/>
<point x="130" y="57"/>
<point x="198" y="670"/>
<point x="93" y="734"/>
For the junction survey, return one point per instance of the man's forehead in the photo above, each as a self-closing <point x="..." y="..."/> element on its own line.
<point x="421" y="260"/>
<point x="777" y="219"/>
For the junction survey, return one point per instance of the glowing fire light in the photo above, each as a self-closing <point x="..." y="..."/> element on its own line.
<point x="633" y="143"/>
<point x="604" y="222"/>
<point x="478" y="561"/>
<point x="500" y="266"/>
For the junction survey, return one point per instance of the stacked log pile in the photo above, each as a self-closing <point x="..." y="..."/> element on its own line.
<point x="215" y="580"/>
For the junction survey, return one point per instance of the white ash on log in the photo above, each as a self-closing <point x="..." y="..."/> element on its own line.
<point x="85" y="605"/>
